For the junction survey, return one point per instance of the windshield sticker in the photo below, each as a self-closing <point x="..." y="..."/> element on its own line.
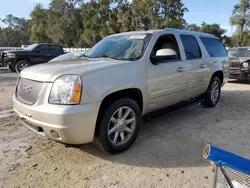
<point x="137" y="36"/>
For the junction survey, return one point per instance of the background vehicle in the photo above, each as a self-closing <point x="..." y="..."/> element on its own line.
<point x="2" y="49"/>
<point x="17" y="60"/>
<point x="124" y="76"/>
<point x="239" y="62"/>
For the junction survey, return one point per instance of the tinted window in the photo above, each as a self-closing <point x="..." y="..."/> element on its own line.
<point x="55" y="49"/>
<point x="42" y="48"/>
<point x="214" y="47"/>
<point x="191" y="47"/>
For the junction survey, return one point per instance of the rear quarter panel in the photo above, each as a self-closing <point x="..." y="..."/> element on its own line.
<point x="215" y="64"/>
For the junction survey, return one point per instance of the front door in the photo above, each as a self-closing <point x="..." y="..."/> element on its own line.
<point x="168" y="79"/>
<point x="40" y="54"/>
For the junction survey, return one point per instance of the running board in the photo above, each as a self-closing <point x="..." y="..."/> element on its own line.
<point x="173" y="108"/>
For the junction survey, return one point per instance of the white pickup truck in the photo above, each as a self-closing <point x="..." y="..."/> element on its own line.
<point x="123" y="77"/>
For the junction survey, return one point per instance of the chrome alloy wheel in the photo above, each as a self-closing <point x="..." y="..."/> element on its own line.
<point x="215" y="92"/>
<point x="121" y="126"/>
<point x="23" y="66"/>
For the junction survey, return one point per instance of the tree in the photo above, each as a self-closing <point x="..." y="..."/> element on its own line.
<point x="76" y="23"/>
<point x="91" y="23"/>
<point x="241" y="18"/>
<point x="14" y="31"/>
<point x="39" y="26"/>
<point x="172" y="12"/>
<point x="65" y="22"/>
<point x="213" y="29"/>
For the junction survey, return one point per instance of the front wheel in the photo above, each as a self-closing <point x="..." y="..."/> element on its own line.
<point x="212" y="95"/>
<point x="120" y="125"/>
<point x="21" y="65"/>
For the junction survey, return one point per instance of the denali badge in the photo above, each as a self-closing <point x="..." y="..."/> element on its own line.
<point x="27" y="88"/>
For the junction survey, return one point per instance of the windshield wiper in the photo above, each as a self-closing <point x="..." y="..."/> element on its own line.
<point x="83" y="55"/>
<point x="115" y="57"/>
<point x="107" y="56"/>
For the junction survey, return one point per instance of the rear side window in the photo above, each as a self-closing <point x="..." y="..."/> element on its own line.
<point x="42" y="48"/>
<point x="214" y="47"/>
<point x="191" y="47"/>
<point x="55" y="49"/>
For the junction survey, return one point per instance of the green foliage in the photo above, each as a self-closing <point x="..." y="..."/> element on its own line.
<point x="241" y="18"/>
<point x="38" y="25"/>
<point x="84" y="23"/>
<point x="14" y="31"/>
<point x="214" y="29"/>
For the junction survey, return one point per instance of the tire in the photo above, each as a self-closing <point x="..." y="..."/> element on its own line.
<point x="21" y="65"/>
<point x="212" y="95"/>
<point x="12" y="69"/>
<point x="123" y="130"/>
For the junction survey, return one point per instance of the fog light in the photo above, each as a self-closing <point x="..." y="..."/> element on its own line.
<point x="54" y="134"/>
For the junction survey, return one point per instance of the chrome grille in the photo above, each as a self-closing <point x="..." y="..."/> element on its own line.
<point x="27" y="91"/>
<point x="235" y="64"/>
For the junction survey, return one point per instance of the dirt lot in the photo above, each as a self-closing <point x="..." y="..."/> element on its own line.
<point x="168" y="152"/>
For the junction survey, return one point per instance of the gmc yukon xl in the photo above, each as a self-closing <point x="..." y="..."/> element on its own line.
<point x="125" y="76"/>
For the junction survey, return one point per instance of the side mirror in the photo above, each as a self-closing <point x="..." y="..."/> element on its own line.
<point x="164" y="54"/>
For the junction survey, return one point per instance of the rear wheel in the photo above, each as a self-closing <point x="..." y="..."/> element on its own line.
<point x="12" y="69"/>
<point x="120" y="125"/>
<point x="21" y="65"/>
<point x="212" y="95"/>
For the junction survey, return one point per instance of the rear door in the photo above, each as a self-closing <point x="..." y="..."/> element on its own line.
<point x="54" y="51"/>
<point x="197" y="70"/>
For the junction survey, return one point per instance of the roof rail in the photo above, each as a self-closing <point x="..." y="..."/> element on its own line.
<point x="188" y="31"/>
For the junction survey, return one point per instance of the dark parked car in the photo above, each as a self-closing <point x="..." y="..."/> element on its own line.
<point x="17" y="60"/>
<point x="239" y="62"/>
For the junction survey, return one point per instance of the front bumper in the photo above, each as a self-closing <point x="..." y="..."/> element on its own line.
<point x="71" y="124"/>
<point x="239" y="73"/>
<point x="10" y="61"/>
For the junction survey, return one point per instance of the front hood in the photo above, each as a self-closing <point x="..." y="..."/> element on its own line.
<point x="17" y="51"/>
<point x="50" y="71"/>
<point x="239" y="59"/>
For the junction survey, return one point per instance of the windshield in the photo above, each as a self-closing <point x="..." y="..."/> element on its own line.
<point x="122" y="47"/>
<point x="68" y="56"/>
<point x="239" y="52"/>
<point x="31" y="47"/>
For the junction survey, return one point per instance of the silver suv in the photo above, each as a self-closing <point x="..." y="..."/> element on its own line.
<point x="123" y="77"/>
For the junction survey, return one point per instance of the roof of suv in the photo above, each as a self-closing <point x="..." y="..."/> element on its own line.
<point x="180" y="31"/>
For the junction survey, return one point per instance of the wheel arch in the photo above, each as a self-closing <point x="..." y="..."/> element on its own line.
<point x="219" y="74"/>
<point x="132" y="93"/>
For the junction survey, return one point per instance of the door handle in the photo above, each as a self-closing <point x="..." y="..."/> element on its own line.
<point x="180" y="69"/>
<point x="203" y="66"/>
<point x="47" y="54"/>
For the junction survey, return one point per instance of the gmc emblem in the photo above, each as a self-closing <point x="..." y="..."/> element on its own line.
<point x="27" y="88"/>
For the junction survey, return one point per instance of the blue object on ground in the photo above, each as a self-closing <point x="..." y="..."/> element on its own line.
<point x="227" y="159"/>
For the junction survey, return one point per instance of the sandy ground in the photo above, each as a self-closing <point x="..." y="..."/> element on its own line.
<point x="168" y="152"/>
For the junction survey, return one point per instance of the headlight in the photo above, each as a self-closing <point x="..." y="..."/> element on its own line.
<point x="11" y="55"/>
<point x="245" y="64"/>
<point x="66" y="90"/>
